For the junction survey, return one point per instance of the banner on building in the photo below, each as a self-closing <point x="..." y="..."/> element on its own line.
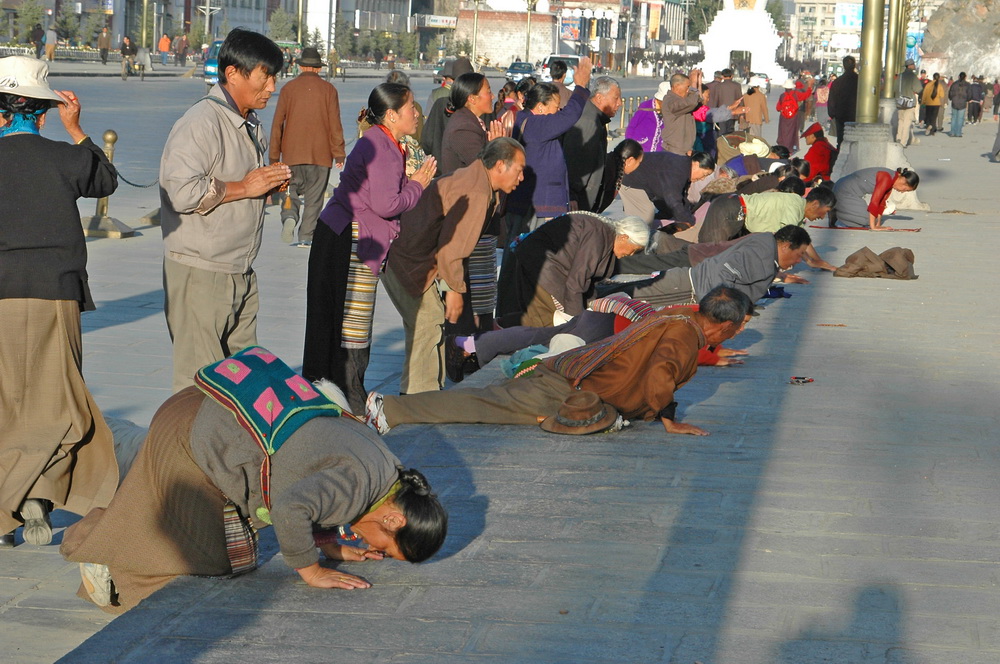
<point x="569" y="28"/>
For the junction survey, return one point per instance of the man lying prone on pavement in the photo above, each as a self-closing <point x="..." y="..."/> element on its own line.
<point x="636" y="371"/>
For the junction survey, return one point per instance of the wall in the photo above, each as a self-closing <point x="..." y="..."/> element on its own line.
<point x="502" y="35"/>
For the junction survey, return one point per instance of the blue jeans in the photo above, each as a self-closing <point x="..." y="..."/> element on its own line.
<point x="163" y="58"/>
<point x="957" y="120"/>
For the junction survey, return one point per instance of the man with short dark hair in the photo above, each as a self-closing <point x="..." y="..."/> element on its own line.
<point x="678" y="104"/>
<point x="427" y="258"/>
<point x="842" y="104"/>
<point x="213" y="182"/>
<point x="725" y="93"/>
<point x="958" y="95"/>
<point x="307" y="135"/>
<point x="558" y="70"/>
<point x="104" y="44"/>
<point x="586" y="143"/>
<point x="637" y="372"/>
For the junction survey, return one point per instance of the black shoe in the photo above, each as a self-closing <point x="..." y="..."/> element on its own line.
<point x="454" y="360"/>
<point x="471" y="364"/>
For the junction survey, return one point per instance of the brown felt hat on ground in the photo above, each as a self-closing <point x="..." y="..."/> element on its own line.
<point x="581" y="413"/>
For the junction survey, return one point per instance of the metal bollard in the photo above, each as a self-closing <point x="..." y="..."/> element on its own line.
<point x="101" y="225"/>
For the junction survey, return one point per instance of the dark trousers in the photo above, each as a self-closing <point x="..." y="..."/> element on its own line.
<point x="723" y="221"/>
<point x="104" y="56"/>
<point x="931" y="119"/>
<point x="326" y="295"/>
<point x="308" y="182"/>
<point x="840" y="131"/>
<point x="589" y="325"/>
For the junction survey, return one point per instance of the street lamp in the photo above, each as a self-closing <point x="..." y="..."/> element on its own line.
<point x="527" y="45"/>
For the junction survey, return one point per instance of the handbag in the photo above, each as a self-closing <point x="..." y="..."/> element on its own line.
<point x="904" y="102"/>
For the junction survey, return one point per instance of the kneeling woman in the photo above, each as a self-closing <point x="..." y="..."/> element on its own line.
<point x="856" y="209"/>
<point x="203" y="484"/>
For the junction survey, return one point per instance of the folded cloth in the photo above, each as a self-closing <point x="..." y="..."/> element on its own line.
<point x="895" y="263"/>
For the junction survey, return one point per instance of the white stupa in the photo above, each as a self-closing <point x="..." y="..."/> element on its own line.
<point x="743" y="25"/>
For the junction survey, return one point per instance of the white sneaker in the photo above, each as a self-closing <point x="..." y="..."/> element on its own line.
<point x="374" y="413"/>
<point x="37" y="527"/>
<point x="97" y="582"/>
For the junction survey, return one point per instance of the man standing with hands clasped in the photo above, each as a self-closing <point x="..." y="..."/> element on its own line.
<point x="213" y="183"/>
<point x="307" y="135"/>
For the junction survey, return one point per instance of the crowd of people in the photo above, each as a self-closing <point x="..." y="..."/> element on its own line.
<point x="605" y="317"/>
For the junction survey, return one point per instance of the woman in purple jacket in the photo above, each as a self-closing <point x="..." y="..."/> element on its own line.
<point x="351" y="244"/>
<point x="544" y="193"/>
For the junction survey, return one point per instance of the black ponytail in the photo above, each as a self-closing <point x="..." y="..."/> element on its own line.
<point x="909" y="176"/>
<point x="426" y="519"/>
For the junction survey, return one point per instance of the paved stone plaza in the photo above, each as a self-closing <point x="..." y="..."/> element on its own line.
<point x="850" y="520"/>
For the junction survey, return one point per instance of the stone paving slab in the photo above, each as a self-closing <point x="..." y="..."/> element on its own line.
<point x="847" y="520"/>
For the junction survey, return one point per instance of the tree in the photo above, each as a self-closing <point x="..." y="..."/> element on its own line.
<point x="68" y="24"/>
<point x="700" y="16"/>
<point x="346" y="42"/>
<point x="29" y="14"/>
<point x="196" y="34"/>
<point x="409" y="45"/>
<point x="777" y="11"/>
<point x="316" y="40"/>
<point x="91" y="26"/>
<point x="459" y="47"/>
<point x="280" y="27"/>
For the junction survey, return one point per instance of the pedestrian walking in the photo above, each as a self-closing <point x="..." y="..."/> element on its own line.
<point x="756" y="115"/>
<point x="788" y="113"/>
<point x="51" y="41"/>
<point x="104" y="45"/>
<point x="933" y="98"/>
<point x="906" y="103"/>
<point x="307" y="135"/>
<point x="977" y="95"/>
<point x="843" y="101"/>
<point x="958" y="95"/>
<point x="164" y="49"/>
<point x="38" y="40"/>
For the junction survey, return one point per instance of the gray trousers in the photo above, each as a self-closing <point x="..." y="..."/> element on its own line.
<point x="514" y="401"/>
<point x="671" y="287"/>
<point x="308" y="182"/>
<point x="210" y="316"/>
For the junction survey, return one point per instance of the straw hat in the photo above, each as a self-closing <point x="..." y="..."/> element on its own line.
<point x="662" y="91"/>
<point x="26" y="77"/>
<point x="581" y="413"/>
<point x="789" y="84"/>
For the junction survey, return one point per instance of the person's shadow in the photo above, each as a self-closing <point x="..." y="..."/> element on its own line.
<point x="875" y="624"/>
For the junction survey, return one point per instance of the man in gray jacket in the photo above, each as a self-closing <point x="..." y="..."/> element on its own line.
<point x="749" y="266"/>
<point x="909" y="87"/>
<point x="586" y="143"/>
<point x="213" y="181"/>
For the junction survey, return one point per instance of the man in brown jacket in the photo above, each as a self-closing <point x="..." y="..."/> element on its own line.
<point x="306" y="135"/>
<point x="678" y="105"/>
<point x="637" y="371"/>
<point x="435" y="239"/>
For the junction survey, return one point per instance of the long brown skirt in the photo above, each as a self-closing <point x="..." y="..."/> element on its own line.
<point x="166" y="519"/>
<point x="54" y="443"/>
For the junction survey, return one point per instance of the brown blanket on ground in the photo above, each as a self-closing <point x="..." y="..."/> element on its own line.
<point x="895" y="263"/>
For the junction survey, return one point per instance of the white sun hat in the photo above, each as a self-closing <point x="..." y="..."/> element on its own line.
<point x="26" y="77"/>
